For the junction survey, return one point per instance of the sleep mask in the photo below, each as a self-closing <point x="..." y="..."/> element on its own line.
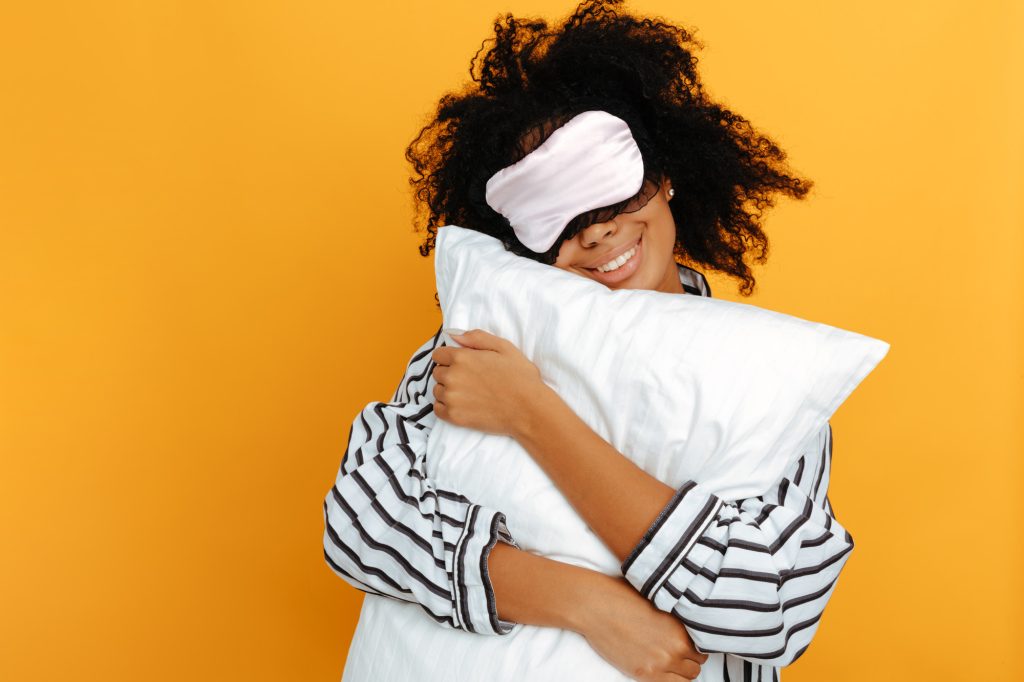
<point x="590" y="162"/>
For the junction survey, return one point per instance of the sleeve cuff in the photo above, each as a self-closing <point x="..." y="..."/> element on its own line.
<point x="475" y="605"/>
<point x="672" y="534"/>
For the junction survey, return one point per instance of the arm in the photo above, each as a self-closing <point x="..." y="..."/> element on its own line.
<point x="747" y="577"/>
<point x="388" y="530"/>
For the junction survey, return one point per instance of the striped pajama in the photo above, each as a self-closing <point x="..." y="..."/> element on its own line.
<point x="749" y="578"/>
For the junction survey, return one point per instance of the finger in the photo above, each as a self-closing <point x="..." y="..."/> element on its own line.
<point x="692" y="652"/>
<point x="689" y="669"/>
<point x="480" y="340"/>
<point x="442" y="355"/>
<point x="441" y="410"/>
<point x="682" y="667"/>
<point x="669" y="676"/>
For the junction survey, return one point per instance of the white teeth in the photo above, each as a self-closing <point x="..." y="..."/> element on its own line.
<point x="618" y="262"/>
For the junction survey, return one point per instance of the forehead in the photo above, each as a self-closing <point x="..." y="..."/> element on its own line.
<point x="647" y="191"/>
<point x="536" y="134"/>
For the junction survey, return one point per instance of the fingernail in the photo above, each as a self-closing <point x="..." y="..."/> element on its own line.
<point x="452" y="331"/>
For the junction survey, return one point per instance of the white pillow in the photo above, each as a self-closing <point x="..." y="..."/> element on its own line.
<point x="689" y="387"/>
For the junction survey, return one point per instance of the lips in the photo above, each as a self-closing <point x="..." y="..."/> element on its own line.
<point x="615" y="253"/>
<point x="626" y="271"/>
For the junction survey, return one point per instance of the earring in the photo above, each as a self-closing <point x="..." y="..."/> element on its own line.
<point x="671" y="192"/>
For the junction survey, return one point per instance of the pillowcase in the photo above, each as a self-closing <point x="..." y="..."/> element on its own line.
<point x="689" y="387"/>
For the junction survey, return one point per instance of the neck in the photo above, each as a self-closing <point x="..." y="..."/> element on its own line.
<point x="671" y="284"/>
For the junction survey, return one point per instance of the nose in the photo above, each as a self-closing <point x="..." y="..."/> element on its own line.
<point x="596" y="231"/>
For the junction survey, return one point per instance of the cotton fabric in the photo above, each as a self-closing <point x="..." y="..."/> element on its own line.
<point x="748" y="576"/>
<point x="730" y="389"/>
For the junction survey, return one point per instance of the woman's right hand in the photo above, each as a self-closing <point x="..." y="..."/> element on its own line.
<point x="635" y="636"/>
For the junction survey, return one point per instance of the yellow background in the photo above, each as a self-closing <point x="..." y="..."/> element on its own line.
<point x="207" y="267"/>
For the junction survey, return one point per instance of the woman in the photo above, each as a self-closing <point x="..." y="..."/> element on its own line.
<point x="727" y="590"/>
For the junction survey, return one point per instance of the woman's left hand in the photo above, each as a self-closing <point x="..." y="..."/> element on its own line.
<point x="487" y="385"/>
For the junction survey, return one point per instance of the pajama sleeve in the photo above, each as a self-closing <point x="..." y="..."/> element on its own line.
<point x="390" y="531"/>
<point x="749" y="577"/>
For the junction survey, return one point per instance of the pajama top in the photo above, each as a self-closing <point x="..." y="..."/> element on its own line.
<point x="749" y="578"/>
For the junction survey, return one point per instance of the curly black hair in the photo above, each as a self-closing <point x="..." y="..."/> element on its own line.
<point x="533" y="79"/>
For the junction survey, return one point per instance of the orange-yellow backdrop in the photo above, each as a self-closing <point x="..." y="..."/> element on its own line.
<point x="207" y="267"/>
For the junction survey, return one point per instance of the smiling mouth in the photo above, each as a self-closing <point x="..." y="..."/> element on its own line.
<point x="633" y="250"/>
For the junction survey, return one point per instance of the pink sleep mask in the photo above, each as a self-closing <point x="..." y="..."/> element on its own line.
<point x="590" y="162"/>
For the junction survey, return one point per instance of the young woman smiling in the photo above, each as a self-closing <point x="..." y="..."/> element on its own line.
<point x="698" y="197"/>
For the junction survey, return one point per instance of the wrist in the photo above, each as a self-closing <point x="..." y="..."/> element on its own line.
<point x="536" y="413"/>
<point x="579" y="606"/>
<point x="537" y="590"/>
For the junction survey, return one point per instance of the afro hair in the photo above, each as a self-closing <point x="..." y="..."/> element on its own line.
<point x="532" y="79"/>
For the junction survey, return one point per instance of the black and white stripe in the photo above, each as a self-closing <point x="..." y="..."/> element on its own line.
<point x="749" y="578"/>
<point x="388" y="530"/>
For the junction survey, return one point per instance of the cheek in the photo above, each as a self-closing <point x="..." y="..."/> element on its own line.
<point x="664" y="232"/>
<point x="565" y="255"/>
